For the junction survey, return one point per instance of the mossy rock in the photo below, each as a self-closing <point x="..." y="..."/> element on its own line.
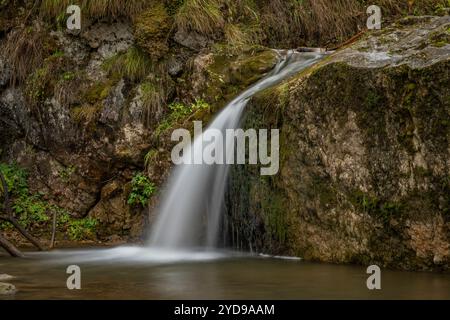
<point x="151" y="30"/>
<point x="230" y="74"/>
<point x="363" y="158"/>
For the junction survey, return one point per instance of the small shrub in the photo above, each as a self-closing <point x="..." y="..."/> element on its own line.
<point x="82" y="229"/>
<point x="16" y="179"/>
<point x="180" y="112"/>
<point x="141" y="190"/>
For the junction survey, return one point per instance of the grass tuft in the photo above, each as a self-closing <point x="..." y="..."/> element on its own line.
<point x="94" y="8"/>
<point x="134" y="64"/>
<point x="202" y="16"/>
<point x="25" y="49"/>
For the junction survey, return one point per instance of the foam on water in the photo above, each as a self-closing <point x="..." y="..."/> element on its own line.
<point x="132" y="254"/>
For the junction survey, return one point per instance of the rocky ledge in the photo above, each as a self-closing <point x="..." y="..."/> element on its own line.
<point x="365" y="156"/>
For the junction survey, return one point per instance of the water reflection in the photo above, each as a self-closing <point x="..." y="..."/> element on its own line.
<point x="135" y="273"/>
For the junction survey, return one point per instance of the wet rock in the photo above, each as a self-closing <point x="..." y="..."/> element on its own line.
<point x="5" y="277"/>
<point x="191" y="40"/>
<point x="114" y="215"/>
<point x="219" y="77"/>
<point x="7" y="289"/>
<point x="74" y="48"/>
<point x="113" y="105"/>
<point x="109" y="38"/>
<point x="402" y="44"/>
<point x="174" y="66"/>
<point x="151" y="30"/>
<point x="365" y="140"/>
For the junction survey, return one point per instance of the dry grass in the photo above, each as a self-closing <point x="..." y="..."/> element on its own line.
<point x="240" y="36"/>
<point x="318" y="22"/>
<point x="155" y="91"/>
<point x="94" y="8"/>
<point x="134" y="64"/>
<point x="25" y="49"/>
<point x="86" y="114"/>
<point x="310" y="20"/>
<point x="202" y="16"/>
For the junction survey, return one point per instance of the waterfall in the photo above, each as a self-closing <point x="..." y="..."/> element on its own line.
<point x="190" y="213"/>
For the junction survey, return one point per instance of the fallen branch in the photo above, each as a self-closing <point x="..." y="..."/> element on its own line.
<point x="23" y="231"/>
<point x="10" y="248"/>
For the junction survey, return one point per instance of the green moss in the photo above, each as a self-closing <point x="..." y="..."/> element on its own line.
<point x="151" y="30"/>
<point x="180" y="112"/>
<point x="381" y="209"/>
<point x="98" y="92"/>
<point x="273" y="211"/>
<point x="230" y="73"/>
<point x="440" y="39"/>
<point x="66" y="173"/>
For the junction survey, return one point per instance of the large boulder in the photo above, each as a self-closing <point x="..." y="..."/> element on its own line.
<point x="364" y="162"/>
<point x="7" y="289"/>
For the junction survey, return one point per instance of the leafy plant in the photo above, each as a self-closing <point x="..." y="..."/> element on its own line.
<point x="32" y="210"/>
<point x="82" y="228"/>
<point x="179" y="112"/>
<point x="141" y="190"/>
<point x="16" y="179"/>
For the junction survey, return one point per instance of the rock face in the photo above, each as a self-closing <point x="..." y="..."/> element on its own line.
<point x="365" y="155"/>
<point x="82" y="123"/>
<point x="364" y="162"/>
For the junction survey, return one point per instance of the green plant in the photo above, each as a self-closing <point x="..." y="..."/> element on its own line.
<point x="16" y="179"/>
<point x="67" y="172"/>
<point x="32" y="210"/>
<point x="141" y="190"/>
<point x="82" y="229"/>
<point x="134" y="64"/>
<point x="68" y="75"/>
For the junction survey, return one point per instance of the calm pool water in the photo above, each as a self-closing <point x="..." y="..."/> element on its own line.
<point x="138" y="273"/>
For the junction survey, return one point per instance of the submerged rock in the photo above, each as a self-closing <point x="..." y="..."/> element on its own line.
<point x="7" y="289"/>
<point x="5" y="277"/>
<point x="364" y="159"/>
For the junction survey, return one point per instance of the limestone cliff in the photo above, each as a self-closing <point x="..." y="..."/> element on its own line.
<point x="364" y="173"/>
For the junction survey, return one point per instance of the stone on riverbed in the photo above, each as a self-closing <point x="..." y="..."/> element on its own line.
<point x="7" y="289"/>
<point x="5" y="277"/>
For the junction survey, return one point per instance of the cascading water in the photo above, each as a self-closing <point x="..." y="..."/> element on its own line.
<point x="190" y="212"/>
